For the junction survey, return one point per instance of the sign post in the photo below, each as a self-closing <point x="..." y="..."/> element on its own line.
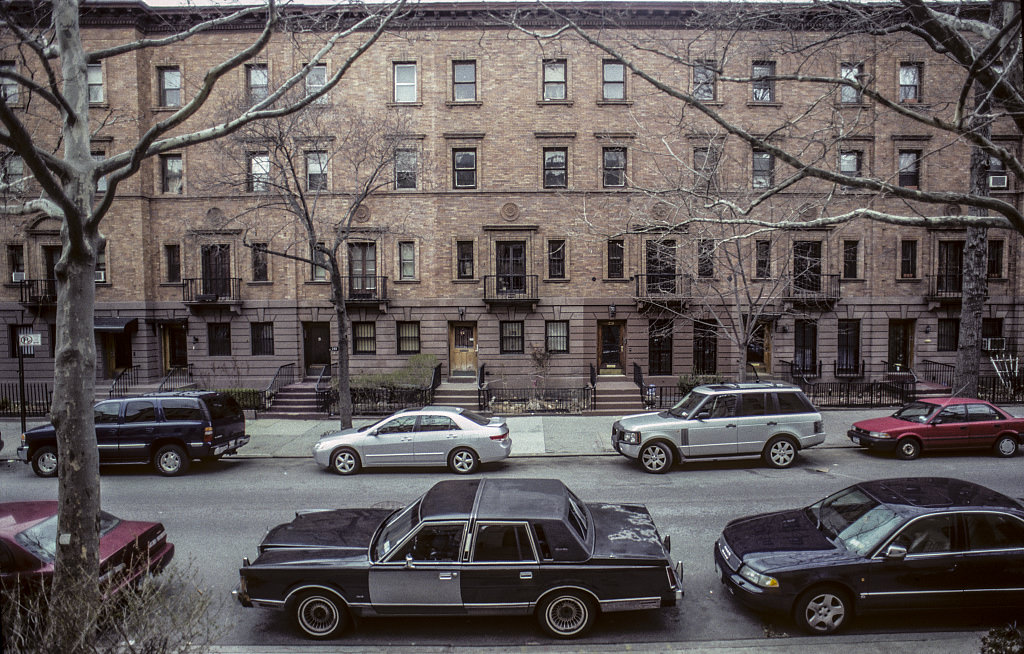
<point x="25" y="340"/>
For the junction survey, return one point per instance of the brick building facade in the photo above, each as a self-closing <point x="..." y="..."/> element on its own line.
<point x="530" y="212"/>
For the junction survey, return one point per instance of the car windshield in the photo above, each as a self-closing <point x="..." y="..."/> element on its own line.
<point x="916" y="412"/>
<point x="684" y="408"/>
<point x="41" y="539"/>
<point x="395" y="530"/>
<point x="854" y="519"/>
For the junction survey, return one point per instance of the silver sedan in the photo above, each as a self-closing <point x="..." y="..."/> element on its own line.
<point x="431" y="436"/>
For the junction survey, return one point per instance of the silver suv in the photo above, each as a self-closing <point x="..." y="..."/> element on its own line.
<point x="772" y="420"/>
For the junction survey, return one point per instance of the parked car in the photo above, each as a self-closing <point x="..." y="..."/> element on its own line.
<point x="168" y="430"/>
<point x="877" y="546"/>
<point x="431" y="436"/>
<point x="28" y="547"/>
<point x="772" y="420"/>
<point x="944" y="423"/>
<point x="466" y="547"/>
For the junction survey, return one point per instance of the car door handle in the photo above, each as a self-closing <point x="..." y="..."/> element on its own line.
<point x="526" y="575"/>
<point x="728" y="426"/>
<point x="447" y="575"/>
<point x="772" y="423"/>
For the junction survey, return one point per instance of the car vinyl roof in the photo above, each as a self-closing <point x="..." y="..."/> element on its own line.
<point x="936" y="492"/>
<point x="496" y="499"/>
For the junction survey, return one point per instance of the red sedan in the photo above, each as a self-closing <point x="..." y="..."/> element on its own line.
<point x="28" y="546"/>
<point x="944" y="423"/>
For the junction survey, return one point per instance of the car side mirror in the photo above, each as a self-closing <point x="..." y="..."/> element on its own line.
<point x="895" y="553"/>
<point x="408" y="561"/>
<point x="703" y="415"/>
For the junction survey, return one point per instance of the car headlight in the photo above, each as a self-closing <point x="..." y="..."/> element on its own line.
<point x="632" y="437"/>
<point x="758" y="579"/>
<point x="879" y="434"/>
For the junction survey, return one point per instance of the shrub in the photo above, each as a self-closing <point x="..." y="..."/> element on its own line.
<point x="417" y="373"/>
<point x="688" y="382"/>
<point x="247" y="398"/>
<point x="1003" y="640"/>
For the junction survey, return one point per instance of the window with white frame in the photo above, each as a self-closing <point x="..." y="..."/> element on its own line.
<point x="851" y="163"/>
<point x="408" y="337"/>
<point x="364" y="338"/>
<point x="464" y="81"/>
<point x="101" y="183"/>
<point x="406" y="163"/>
<point x="556" y="173"/>
<point x="910" y="82"/>
<point x="171" y="174"/>
<point x="555" y="79"/>
<point x="556" y="336"/>
<point x="12" y="173"/>
<point x="94" y="74"/>
<point x="910" y="168"/>
<point x="319" y="257"/>
<point x="704" y="80"/>
<point x="257" y="82"/>
<point x="852" y="72"/>
<point x="464" y="168"/>
<point x="464" y="260"/>
<point x="406" y="260"/>
<point x="316" y="80"/>
<point x="511" y="336"/>
<point x="405" y="81"/>
<point x="763" y="85"/>
<point x="316" y="170"/>
<point x="614" y="167"/>
<point x="613" y="80"/>
<point x="8" y="87"/>
<point x="259" y="172"/>
<point x="170" y="86"/>
<point x="763" y="168"/>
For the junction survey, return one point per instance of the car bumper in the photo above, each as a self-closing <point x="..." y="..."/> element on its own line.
<point x="812" y="440"/>
<point x="768" y="600"/>
<point x="496" y="450"/>
<point x="23" y="453"/>
<point x="629" y="450"/>
<point x="862" y="439"/>
<point x="242" y="597"/>
<point x="230" y="447"/>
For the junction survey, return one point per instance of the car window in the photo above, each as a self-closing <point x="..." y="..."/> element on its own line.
<point x="981" y="413"/>
<point x="433" y="543"/>
<point x="140" y="411"/>
<point x="181" y="408"/>
<point x="395" y="529"/>
<point x="224" y="407"/>
<point x="684" y="408"/>
<point x="994" y="531"/>
<point x="951" y="413"/>
<point x="475" y="417"/>
<point x="437" y="423"/>
<point x="721" y="406"/>
<point x="753" y="404"/>
<point x="928" y="535"/>
<point x="41" y="539"/>
<point x="398" y="425"/>
<point x="793" y="403"/>
<point x="858" y="521"/>
<point x="105" y="413"/>
<point x="915" y="412"/>
<point x="502" y="542"/>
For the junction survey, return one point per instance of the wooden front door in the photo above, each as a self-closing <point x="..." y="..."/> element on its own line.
<point x="316" y="345"/>
<point x="901" y="343"/>
<point x="175" y="347"/>
<point x="611" y="337"/>
<point x="462" y="348"/>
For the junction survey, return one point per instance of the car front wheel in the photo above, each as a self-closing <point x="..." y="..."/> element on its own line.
<point x="780" y="452"/>
<point x="44" y="461"/>
<point x="566" y="614"/>
<point x="463" y="461"/>
<point x="656" y="458"/>
<point x="171" y="461"/>
<point x="823" y="610"/>
<point x="908" y="449"/>
<point x="319" y="615"/>
<point x="1006" y="446"/>
<point x="345" y="462"/>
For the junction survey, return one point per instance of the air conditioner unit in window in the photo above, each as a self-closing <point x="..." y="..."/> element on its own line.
<point x="993" y="344"/>
<point x="997" y="181"/>
<point x="101" y="276"/>
<point x="18" y="277"/>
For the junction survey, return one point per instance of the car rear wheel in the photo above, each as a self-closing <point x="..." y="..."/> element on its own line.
<point x="908" y="449"/>
<point x="44" y="461"/>
<point x="463" y="461"/>
<point x="656" y="458"/>
<point x="320" y="615"/>
<point x="1006" y="446"/>
<point x="823" y="610"/>
<point x="171" y="461"/>
<point x="566" y="614"/>
<point x="780" y="452"/>
<point x="345" y="462"/>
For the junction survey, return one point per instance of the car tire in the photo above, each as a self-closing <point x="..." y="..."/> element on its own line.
<point x="1006" y="446"/>
<point x="44" y="461"/>
<point x="463" y="461"/>
<point x="780" y="452"/>
<point x="170" y="461"/>
<point x="823" y="610"/>
<point x="319" y="615"/>
<point x="566" y="613"/>
<point x="656" y="458"/>
<point x="345" y="461"/>
<point x="908" y="448"/>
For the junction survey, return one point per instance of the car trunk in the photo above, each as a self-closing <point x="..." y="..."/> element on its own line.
<point x="625" y="531"/>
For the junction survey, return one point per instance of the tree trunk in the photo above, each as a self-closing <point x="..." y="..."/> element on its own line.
<point x="341" y="312"/>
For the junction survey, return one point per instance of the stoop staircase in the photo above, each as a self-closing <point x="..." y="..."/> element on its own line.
<point x="296" y="402"/>
<point x="456" y="392"/>
<point x="616" y="396"/>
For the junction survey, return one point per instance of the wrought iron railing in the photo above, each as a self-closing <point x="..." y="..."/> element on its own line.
<point x="662" y="286"/>
<point x="510" y="288"/>
<point x="38" y="398"/>
<point x="935" y="371"/>
<point x="211" y="289"/>
<point x="177" y="377"/>
<point x="284" y="376"/>
<point x="813" y="288"/>
<point x="534" y="400"/>
<point x="848" y="368"/>
<point x="38" y="291"/>
<point x="805" y="369"/>
<point x="365" y="288"/>
<point x="125" y="381"/>
<point x="948" y="286"/>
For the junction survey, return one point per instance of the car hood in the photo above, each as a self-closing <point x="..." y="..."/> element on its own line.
<point x="642" y="421"/>
<point x="625" y="531"/>
<point x="886" y="424"/>
<point x="778" y="538"/>
<point x="338" y="529"/>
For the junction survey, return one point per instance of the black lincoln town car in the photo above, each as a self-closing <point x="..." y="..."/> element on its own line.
<point x="878" y="545"/>
<point x="466" y="547"/>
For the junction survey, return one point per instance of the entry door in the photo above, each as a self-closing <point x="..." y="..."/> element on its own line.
<point x="462" y="347"/>
<point x="510" y="266"/>
<point x="316" y="345"/>
<point x="901" y="342"/>
<point x="117" y="353"/>
<point x="175" y="347"/>
<point x="216" y="272"/>
<point x="610" y="341"/>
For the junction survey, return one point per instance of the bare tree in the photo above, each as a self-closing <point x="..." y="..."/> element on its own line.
<point x="46" y="121"/>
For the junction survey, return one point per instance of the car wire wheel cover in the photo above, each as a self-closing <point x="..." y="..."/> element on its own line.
<point x="317" y="616"/>
<point x="824" y="612"/>
<point x="567" y="615"/>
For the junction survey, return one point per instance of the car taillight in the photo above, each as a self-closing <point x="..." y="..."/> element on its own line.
<point x="819" y="426"/>
<point x="499" y="437"/>
<point x="208" y="435"/>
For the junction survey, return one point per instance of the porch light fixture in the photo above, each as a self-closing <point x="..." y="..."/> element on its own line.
<point x="462" y="313"/>
<point x="611" y="310"/>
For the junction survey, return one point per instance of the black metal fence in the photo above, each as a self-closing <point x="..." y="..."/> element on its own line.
<point x="38" y="398"/>
<point x="380" y="400"/>
<point x="859" y="394"/>
<point x="511" y="401"/>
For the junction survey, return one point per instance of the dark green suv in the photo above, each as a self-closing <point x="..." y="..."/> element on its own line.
<point x="168" y="430"/>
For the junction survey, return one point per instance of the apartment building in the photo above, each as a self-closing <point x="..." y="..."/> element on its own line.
<point x="537" y="209"/>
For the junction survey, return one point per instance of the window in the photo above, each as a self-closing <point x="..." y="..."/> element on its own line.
<point x="848" y="361"/>
<point x="218" y="336"/>
<point x="406" y="161"/>
<point x="101" y="183"/>
<point x="12" y="171"/>
<point x="259" y="262"/>
<point x="763" y="169"/>
<point x="805" y="347"/>
<point x="405" y="82"/>
<point x="100" y="272"/>
<point x="503" y="542"/>
<point x="850" y="163"/>
<point x="929" y="535"/>
<point x="661" y="267"/>
<point x="763" y="86"/>
<point x="432" y="542"/>
<point x="316" y="80"/>
<point x="993" y="531"/>
<point x="316" y="170"/>
<point x="763" y="259"/>
<point x="948" y="337"/>
<point x="13" y="332"/>
<point x="94" y="78"/>
<point x="992" y="328"/>
<point x="995" y="259"/>
<point x="659" y="347"/>
<point x="262" y="338"/>
<point x="175" y="409"/>
<point x="170" y="86"/>
<point x="319" y="257"/>
<point x="408" y="337"/>
<point x="406" y="260"/>
<point x="705" y="348"/>
<point x="556" y="336"/>
<point x="140" y="411"/>
<point x="171" y="174"/>
<point x="705" y="258"/>
<point x="997" y="178"/>
<point x="852" y="73"/>
<point x="257" y="82"/>
<point x="464" y="260"/>
<point x="556" y="259"/>
<point x="362" y="269"/>
<point x="259" y="172"/>
<point x="704" y="81"/>
<point x="850" y="256"/>
<point x="614" y="167"/>
<point x="464" y="81"/>
<point x="705" y="169"/>
<point x="910" y="82"/>
<point x="364" y="338"/>
<point x="464" y="168"/>
<point x="616" y="259"/>
<point x="908" y="259"/>
<point x="556" y="173"/>
<point x="554" y="79"/>
<point x="16" y="260"/>
<point x="910" y="168"/>
<point x="511" y="336"/>
<point x="613" y="80"/>
<point x="8" y="87"/>
<point x="172" y="260"/>
<point x="807" y="264"/>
